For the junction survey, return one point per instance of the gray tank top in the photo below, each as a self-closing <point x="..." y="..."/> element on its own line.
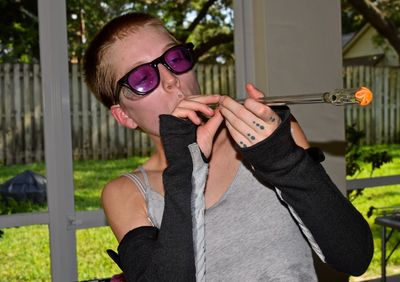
<point x="250" y="235"/>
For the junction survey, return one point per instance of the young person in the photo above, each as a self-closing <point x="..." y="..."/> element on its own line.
<point x="246" y="170"/>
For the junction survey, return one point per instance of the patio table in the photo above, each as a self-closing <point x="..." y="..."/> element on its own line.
<point x="389" y="222"/>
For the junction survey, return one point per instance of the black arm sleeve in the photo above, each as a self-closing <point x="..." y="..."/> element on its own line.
<point x="342" y="234"/>
<point x="167" y="254"/>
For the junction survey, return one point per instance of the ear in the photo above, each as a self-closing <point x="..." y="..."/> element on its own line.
<point x="122" y="118"/>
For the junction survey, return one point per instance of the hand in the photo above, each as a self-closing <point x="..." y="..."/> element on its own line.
<point x="251" y="122"/>
<point x="297" y="133"/>
<point x="190" y="108"/>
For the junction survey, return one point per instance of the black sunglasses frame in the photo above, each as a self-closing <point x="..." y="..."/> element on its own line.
<point x="123" y="82"/>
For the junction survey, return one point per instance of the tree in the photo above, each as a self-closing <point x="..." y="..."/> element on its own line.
<point x="206" y="23"/>
<point x="358" y="156"/>
<point x="384" y="16"/>
<point x="19" y="34"/>
<point x="352" y="21"/>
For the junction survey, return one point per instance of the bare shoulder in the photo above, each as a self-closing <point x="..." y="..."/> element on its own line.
<point x="124" y="206"/>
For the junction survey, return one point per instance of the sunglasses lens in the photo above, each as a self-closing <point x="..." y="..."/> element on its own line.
<point x="143" y="79"/>
<point x="179" y="59"/>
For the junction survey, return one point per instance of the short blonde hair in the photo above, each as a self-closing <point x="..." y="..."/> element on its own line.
<point x="99" y="75"/>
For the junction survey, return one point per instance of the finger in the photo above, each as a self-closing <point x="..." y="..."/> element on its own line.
<point x="251" y="113"/>
<point x="195" y="106"/>
<point x="230" y="104"/>
<point x="253" y="92"/>
<point x="200" y="104"/>
<point x="213" y="123"/>
<point x="241" y="127"/>
<point x="207" y="100"/>
<point x="187" y="114"/>
<point x="263" y="112"/>
<point x="206" y="133"/>
<point x="237" y="136"/>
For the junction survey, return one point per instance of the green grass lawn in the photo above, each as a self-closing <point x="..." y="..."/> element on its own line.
<point x="25" y="250"/>
<point x="379" y="197"/>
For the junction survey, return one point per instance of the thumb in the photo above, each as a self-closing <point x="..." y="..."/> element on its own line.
<point x="253" y="91"/>
<point x="207" y="131"/>
<point x="213" y="123"/>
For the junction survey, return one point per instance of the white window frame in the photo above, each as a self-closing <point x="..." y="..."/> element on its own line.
<point x="62" y="219"/>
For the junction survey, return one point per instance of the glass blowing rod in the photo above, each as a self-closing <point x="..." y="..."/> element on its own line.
<point x="338" y="97"/>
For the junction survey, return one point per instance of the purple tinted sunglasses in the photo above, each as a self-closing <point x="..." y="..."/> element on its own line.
<point x="143" y="79"/>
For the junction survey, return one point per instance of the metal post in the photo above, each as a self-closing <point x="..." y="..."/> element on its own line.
<point x="57" y="136"/>
<point x="383" y="256"/>
<point x="244" y="45"/>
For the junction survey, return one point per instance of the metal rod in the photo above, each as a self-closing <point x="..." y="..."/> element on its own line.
<point x="338" y="97"/>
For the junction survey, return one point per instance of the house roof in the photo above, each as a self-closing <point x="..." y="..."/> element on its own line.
<point x="348" y="40"/>
<point x="358" y="48"/>
<point x="347" y="37"/>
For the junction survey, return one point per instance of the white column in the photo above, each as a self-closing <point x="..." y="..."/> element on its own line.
<point x="291" y="47"/>
<point x="57" y="136"/>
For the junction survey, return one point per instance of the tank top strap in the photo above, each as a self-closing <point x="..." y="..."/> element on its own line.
<point x="135" y="179"/>
<point x="142" y="188"/>
<point x="145" y="177"/>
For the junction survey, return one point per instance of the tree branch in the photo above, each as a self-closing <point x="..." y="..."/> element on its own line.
<point x="202" y="13"/>
<point x="216" y="40"/>
<point x="381" y="23"/>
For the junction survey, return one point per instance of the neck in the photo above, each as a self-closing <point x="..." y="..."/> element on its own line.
<point x="157" y="160"/>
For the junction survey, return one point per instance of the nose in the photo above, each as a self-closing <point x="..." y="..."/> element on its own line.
<point x="169" y="81"/>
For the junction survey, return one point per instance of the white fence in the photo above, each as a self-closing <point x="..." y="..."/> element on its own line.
<point x="95" y="134"/>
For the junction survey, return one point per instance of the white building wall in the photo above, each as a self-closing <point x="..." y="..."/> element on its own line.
<point x="291" y="47"/>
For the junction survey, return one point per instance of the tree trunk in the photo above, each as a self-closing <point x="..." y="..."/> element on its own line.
<point x="384" y="26"/>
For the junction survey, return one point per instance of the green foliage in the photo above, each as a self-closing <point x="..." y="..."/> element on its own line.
<point x="380" y="197"/>
<point x="356" y="154"/>
<point x="89" y="178"/>
<point x="358" y="158"/>
<point x="353" y="155"/>
<point x="371" y="200"/>
<point x="93" y="260"/>
<point x="377" y="159"/>
<point x="391" y="10"/>
<point x="25" y="254"/>
<point x="384" y="15"/>
<point x="10" y="206"/>
<point x="207" y="23"/>
<point x="25" y="250"/>
<point x="352" y="21"/>
<point x="19" y="34"/>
